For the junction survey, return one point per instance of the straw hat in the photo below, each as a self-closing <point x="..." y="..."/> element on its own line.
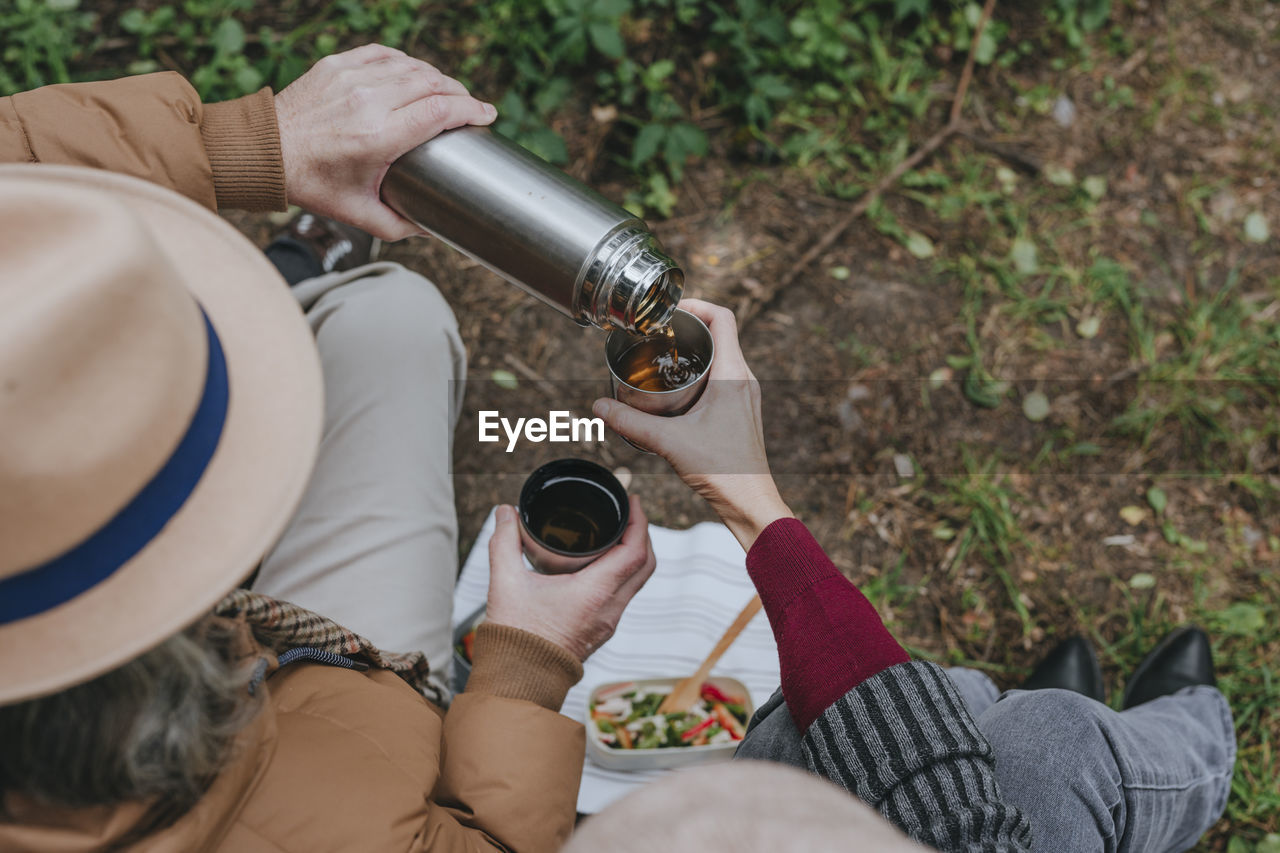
<point x="160" y="409"/>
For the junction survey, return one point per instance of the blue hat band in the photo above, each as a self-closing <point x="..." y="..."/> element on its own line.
<point x="96" y="558"/>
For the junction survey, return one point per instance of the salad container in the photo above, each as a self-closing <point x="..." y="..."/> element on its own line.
<point x="654" y="758"/>
<point x="462" y="661"/>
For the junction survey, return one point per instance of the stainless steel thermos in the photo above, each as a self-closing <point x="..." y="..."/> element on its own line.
<point x="538" y="228"/>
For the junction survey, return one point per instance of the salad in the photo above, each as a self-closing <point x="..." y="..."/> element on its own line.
<point x="466" y="648"/>
<point x="627" y="717"/>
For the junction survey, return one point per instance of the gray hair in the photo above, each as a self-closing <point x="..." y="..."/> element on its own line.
<point x="160" y="726"/>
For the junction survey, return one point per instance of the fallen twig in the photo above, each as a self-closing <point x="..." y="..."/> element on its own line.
<point x="750" y="306"/>
<point x="1011" y="154"/>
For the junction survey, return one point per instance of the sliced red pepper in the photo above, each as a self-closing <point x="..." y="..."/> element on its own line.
<point x="699" y="728"/>
<point x="714" y="694"/>
<point x="468" y="645"/>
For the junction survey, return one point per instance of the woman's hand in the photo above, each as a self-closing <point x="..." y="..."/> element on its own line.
<point x="717" y="447"/>
<point x="344" y="122"/>
<point x="577" y="611"/>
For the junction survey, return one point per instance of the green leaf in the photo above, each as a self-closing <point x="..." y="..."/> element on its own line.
<point x="572" y="47"/>
<point x="1088" y="327"/>
<point x="1157" y="498"/>
<point x="903" y="8"/>
<point x="552" y="95"/>
<point x="228" y="37"/>
<point x="826" y="92"/>
<point x="1059" y="176"/>
<point x="547" y="144"/>
<point x="510" y="108"/>
<point x="1095" y="186"/>
<point x="683" y="141"/>
<point x="1133" y="515"/>
<point x="773" y="87"/>
<point x="1024" y="256"/>
<point x="986" y="50"/>
<point x="133" y="20"/>
<point x="1035" y="406"/>
<point x="919" y="245"/>
<point x="248" y="79"/>
<point x="204" y="79"/>
<point x="660" y="70"/>
<point x="327" y="43"/>
<point x="1269" y="844"/>
<point x="607" y="39"/>
<point x="504" y="379"/>
<point x="1243" y="619"/>
<point x="1142" y="580"/>
<point x="983" y="390"/>
<point x="1256" y="229"/>
<point x="691" y="137"/>
<point x="611" y="8"/>
<point x="1094" y="14"/>
<point x="660" y="196"/>
<point x="839" y="273"/>
<point x="646" y="144"/>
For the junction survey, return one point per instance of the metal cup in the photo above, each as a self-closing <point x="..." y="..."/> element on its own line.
<point x="552" y="558"/>
<point x="693" y="336"/>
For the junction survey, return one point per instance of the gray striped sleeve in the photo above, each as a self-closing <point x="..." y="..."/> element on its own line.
<point x="904" y="742"/>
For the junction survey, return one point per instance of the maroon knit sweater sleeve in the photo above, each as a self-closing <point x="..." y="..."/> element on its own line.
<point x="830" y="638"/>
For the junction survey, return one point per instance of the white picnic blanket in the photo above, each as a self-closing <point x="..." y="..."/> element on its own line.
<point x="699" y="586"/>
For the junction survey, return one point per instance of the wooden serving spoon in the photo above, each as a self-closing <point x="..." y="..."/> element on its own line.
<point x="687" y="691"/>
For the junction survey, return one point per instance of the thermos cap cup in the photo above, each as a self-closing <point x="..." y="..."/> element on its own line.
<point x="571" y="511"/>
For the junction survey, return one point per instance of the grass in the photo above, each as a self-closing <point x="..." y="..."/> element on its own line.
<point x="978" y="506"/>
<point x="1109" y="275"/>
<point x="1246" y="647"/>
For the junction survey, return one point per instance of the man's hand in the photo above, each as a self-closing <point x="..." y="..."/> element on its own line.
<point x="344" y="122"/>
<point x="576" y="611"/>
<point x="717" y="447"/>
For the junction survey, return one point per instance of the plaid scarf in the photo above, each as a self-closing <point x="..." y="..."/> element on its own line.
<point x="289" y="626"/>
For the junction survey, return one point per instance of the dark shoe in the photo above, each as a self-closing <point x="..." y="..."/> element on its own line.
<point x="335" y="245"/>
<point x="1183" y="659"/>
<point x="1071" y="665"/>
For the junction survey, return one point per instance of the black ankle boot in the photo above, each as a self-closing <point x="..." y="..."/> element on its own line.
<point x="312" y="245"/>
<point x="1183" y="659"/>
<point x="1071" y="665"/>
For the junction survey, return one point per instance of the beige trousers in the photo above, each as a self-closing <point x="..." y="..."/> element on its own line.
<point x="374" y="543"/>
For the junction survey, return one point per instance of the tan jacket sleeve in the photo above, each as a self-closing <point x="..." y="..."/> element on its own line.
<point x="512" y="764"/>
<point x="153" y="127"/>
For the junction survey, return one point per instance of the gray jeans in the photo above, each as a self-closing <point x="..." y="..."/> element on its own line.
<point x="1148" y="780"/>
<point x="374" y="543"/>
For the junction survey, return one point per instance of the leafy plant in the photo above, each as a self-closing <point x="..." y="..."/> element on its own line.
<point x="775" y="78"/>
<point x="1078" y="17"/>
<point x="40" y="41"/>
